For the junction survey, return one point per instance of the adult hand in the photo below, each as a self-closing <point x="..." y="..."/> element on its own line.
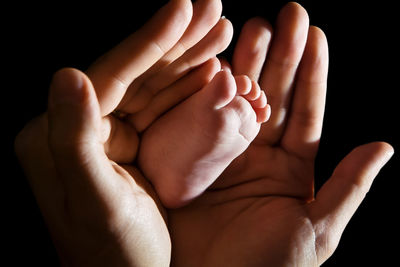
<point x="262" y="211"/>
<point x="100" y="211"/>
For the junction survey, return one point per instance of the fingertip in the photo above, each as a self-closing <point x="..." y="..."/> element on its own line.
<point x="296" y="9"/>
<point x="66" y="87"/>
<point x="295" y="12"/>
<point x="363" y="163"/>
<point x="315" y="59"/>
<point x="317" y="43"/>
<point x="376" y="149"/>
<point x="252" y="48"/>
<point x="210" y="10"/>
<point x="291" y="32"/>
<point x="226" y="29"/>
<point x="387" y="147"/>
<point x="384" y="150"/>
<point x="258" y="26"/>
<point x="390" y="150"/>
<point x="317" y="31"/>
<point x="73" y="112"/>
<point x="178" y="12"/>
<point x="257" y="20"/>
<point x="317" y="39"/>
<point x="185" y="7"/>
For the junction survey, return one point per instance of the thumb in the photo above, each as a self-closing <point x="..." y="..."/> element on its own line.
<point x="74" y="117"/>
<point x="341" y="195"/>
<point x="74" y="131"/>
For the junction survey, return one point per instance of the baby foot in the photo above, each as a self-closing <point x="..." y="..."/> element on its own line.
<point x="186" y="150"/>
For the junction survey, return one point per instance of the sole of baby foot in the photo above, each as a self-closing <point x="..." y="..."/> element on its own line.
<point x="189" y="147"/>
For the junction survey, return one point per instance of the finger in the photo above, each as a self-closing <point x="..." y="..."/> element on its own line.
<point x="74" y="136"/>
<point x="176" y="93"/>
<point x="214" y="43"/>
<point x="280" y="69"/>
<point x="341" y="195"/>
<point x="121" y="140"/>
<point x="304" y="125"/>
<point x="114" y="72"/>
<point x="206" y="14"/>
<point x="251" y="48"/>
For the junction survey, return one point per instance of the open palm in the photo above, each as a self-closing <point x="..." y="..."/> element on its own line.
<point x="262" y="211"/>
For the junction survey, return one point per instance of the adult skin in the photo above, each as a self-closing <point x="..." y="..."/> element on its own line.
<point x="254" y="215"/>
<point x="263" y="210"/>
<point x="100" y="212"/>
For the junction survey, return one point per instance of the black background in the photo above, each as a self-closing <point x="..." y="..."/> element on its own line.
<point x="361" y="107"/>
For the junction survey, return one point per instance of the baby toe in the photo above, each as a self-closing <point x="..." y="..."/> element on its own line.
<point x="243" y="84"/>
<point x="254" y="92"/>
<point x="260" y="102"/>
<point x="263" y="114"/>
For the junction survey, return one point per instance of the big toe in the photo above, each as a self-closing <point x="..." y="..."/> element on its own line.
<point x="220" y="91"/>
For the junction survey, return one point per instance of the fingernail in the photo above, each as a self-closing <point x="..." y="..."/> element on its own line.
<point x="66" y="87"/>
